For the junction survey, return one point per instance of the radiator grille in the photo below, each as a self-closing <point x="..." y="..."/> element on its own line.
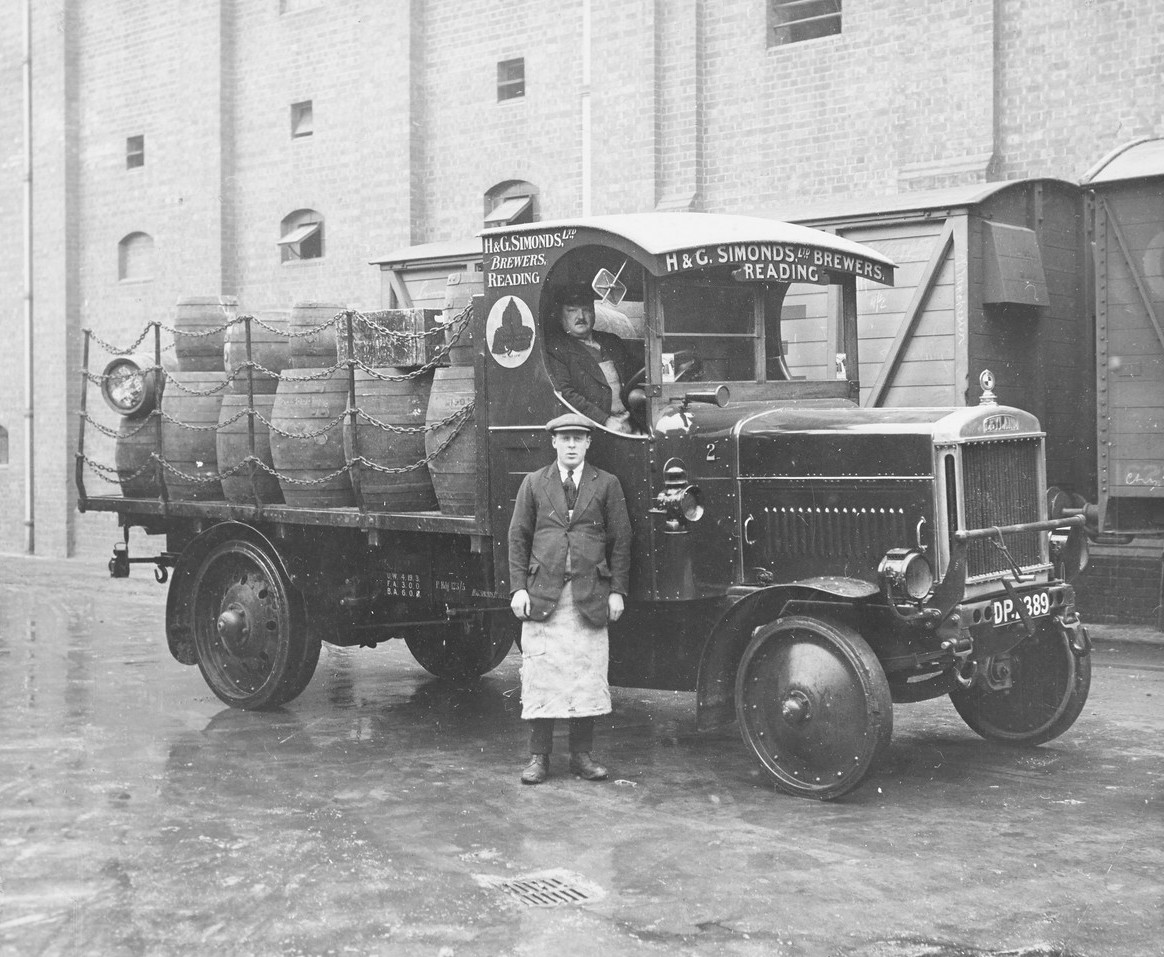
<point x="841" y="533"/>
<point x="1000" y="480"/>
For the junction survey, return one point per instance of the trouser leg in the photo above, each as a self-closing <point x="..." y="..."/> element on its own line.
<point x="581" y="734"/>
<point x="541" y="735"/>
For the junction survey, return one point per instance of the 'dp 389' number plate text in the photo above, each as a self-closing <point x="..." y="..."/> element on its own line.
<point x="1035" y="604"/>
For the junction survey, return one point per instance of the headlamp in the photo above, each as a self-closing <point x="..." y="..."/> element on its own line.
<point x="679" y="501"/>
<point x="906" y="574"/>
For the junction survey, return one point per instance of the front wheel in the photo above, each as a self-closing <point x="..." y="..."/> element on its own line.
<point x="460" y="651"/>
<point x="813" y="705"/>
<point x="250" y="637"/>
<point x="1029" y="695"/>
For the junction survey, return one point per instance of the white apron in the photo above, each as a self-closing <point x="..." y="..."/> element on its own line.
<point x="564" y="661"/>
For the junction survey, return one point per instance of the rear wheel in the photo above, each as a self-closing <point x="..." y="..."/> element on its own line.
<point x="813" y="705"/>
<point x="250" y="635"/>
<point x="1031" y="694"/>
<point x="460" y="651"/>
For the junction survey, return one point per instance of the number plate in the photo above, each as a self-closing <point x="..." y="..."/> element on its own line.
<point x="1036" y="603"/>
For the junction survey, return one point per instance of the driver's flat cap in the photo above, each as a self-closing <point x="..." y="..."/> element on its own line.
<point x="570" y="422"/>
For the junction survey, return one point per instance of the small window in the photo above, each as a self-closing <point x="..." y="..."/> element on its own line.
<point x="302" y="123"/>
<point x="135" y="257"/>
<point x="134" y="152"/>
<point x="511" y="203"/>
<point x="511" y="212"/>
<point x="790" y="21"/>
<point x="510" y="79"/>
<point x="301" y="236"/>
<point x="3" y="445"/>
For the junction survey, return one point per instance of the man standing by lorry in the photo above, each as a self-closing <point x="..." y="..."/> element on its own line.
<point x="569" y="567"/>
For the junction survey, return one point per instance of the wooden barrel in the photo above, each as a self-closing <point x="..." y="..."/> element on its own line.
<point x="198" y="349"/>
<point x="270" y="348"/>
<point x="194" y="450"/>
<point x="136" y="439"/>
<point x="454" y="470"/>
<point x="304" y="406"/>
<point x="234" y="446"/>
<point x="317" y="350"/>
<point x="402" y="404"/>
<point x="459" y="293"/>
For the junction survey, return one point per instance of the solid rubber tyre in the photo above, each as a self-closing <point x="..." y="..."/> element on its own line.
<point x="1049" y="687"/>
<point x="455" y="653"/>
<point x="813" y="705"/>
<point x="250" y="636"/>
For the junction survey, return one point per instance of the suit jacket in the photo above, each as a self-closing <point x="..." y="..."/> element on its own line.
<point x="574" y="370"/>
<point x="598" y="536"/>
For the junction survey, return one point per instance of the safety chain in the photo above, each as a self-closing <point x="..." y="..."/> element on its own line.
<point x="104" y="471"/>
<point x="417" y="429"/>
<point x="366" y="319"/>
<point x="313" y="331"/>
<point x="109" y="347"/>
<point x="385" y="426"/>
<point x="300" y="435"/>
<point x="461" y="413"/>
<point x="457" y="323"/>
<point x="114" y="433"/>
<point x="100" y="378"/>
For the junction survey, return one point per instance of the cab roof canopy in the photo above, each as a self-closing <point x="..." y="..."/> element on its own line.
<point x="656" y="235"/>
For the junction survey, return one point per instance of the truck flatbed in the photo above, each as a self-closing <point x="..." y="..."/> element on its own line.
<point x="347" y="517"/>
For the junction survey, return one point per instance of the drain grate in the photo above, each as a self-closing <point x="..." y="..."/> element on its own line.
<point x="546" y="888"/>
<point x="544" y="892"/>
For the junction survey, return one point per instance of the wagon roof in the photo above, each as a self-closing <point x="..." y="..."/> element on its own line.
<point x="454" y="250"/>
<point x="1137" y="159"/>
<point x="657" y="234"/>
<point x="951" y="197"/>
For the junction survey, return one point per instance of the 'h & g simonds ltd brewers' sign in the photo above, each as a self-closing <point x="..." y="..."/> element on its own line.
<point x="776" y="262"/>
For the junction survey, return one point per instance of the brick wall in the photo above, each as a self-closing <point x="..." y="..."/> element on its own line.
<point x="1075" y="81"/>
<point x="687" y="101"/>
<point x="1120" y="589"/>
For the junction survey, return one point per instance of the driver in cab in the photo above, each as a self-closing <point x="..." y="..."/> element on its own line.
<point x="588" y="368"/>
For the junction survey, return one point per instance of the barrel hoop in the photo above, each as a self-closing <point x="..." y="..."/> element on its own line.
<point x="461" y="413"/>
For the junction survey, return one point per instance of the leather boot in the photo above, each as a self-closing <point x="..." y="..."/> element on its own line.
<point x="537" y="770"/>
<point x="586" y="767"/>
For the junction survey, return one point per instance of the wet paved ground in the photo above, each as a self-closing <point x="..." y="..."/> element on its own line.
<point x="380" y="813"/>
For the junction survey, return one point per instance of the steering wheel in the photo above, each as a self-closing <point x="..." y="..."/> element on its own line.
<point x="687" y="368"/>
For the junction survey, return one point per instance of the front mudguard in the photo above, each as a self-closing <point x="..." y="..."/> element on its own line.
<point x="750" y="609"/>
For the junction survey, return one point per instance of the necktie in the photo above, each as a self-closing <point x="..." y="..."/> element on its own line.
<point x="570" y="489"/>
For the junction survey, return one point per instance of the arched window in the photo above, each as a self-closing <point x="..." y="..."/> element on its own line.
<point x="511" y="203"/>
<point x="135" y="257"/>
<point x="301" y="236"/>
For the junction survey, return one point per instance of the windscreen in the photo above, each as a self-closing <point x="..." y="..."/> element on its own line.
<point x="718" y="329"/>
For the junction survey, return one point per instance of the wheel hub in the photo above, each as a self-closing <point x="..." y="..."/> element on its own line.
<point x="234" y="627"/>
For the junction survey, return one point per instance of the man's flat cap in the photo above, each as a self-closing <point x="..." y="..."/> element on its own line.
<point x="570" y="422"/>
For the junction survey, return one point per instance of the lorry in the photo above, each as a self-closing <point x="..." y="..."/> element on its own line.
<point x="800" y="563"/>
